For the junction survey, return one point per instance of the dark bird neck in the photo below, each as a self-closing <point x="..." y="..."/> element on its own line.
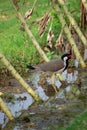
<point x="66" y="63"/>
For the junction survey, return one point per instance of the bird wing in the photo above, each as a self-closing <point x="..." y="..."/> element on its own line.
<point x="52" y="66"/>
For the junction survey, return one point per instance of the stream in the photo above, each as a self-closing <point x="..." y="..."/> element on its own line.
<point x="61" y="101"/>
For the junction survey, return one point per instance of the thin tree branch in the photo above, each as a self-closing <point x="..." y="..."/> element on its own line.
<point x="73" y="23"/>
<point x="40" y="51"/>
<point x="68" y="34"/>
<point x="18" y="77"/>
<point x="5" y="109"/>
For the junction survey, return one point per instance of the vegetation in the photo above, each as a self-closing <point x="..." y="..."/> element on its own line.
<point x="18" y="48"/>
<point x="15" y="44"/>
<point x="79" y="122"/>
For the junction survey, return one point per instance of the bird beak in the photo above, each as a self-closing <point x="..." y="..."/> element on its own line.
<point x="71" y="57"/>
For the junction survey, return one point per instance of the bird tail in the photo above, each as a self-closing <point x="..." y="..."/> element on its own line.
<point x="30" y="67"/>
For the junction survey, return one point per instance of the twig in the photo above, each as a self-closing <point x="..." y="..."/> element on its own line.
<point x="68" y="34"/>
<point x="73" y="23"/>
<point x="41" y="52"/>
<point x="18" y="77"/>
<point x="5" y="109"/>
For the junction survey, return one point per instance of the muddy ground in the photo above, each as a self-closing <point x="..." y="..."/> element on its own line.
<point x="60" y="102"/>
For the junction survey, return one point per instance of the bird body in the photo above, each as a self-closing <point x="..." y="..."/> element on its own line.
<point x="53" y="65"/>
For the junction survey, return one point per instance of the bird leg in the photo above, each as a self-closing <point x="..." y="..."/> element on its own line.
<point x="53" y="82"/>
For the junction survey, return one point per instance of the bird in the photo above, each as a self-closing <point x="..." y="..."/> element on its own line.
<point x="54" y="65"/>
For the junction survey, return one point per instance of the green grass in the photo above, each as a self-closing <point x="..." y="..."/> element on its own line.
<point x="19" y="49"/>
<point x="16" y="45"/>
<point x="79" y="123"/>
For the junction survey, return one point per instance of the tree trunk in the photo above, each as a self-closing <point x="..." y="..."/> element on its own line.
<point x="68" y="34"/>
<point x="73" y="23"/>
<point x="18" y="77"/>
<point x="5" y="109"/>
<point x="35" y="43"/>
<point x="41" y="52"/>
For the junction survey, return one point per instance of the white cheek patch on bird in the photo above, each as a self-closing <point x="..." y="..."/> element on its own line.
<point x="65" y="58"/>
<point x="54" y="65"/>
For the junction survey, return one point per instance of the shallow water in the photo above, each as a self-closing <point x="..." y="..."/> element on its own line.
<point x="59" y="106"/>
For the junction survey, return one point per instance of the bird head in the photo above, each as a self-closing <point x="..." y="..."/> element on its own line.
<point x="65" y="57"/>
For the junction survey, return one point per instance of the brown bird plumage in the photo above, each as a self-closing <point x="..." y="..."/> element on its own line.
<point x="54" y="65"/>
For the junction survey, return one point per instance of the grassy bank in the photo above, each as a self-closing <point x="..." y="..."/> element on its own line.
<point x="14" y="44"/>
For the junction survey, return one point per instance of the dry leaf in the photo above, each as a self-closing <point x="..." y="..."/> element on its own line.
<point x="60" y="43"/>
<point x="50" y="37"/>
<point x="43" y="23"/>
<point x="4" y="16"/>
<point x="28" y="14"/>
<point x="83" y="15"/>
